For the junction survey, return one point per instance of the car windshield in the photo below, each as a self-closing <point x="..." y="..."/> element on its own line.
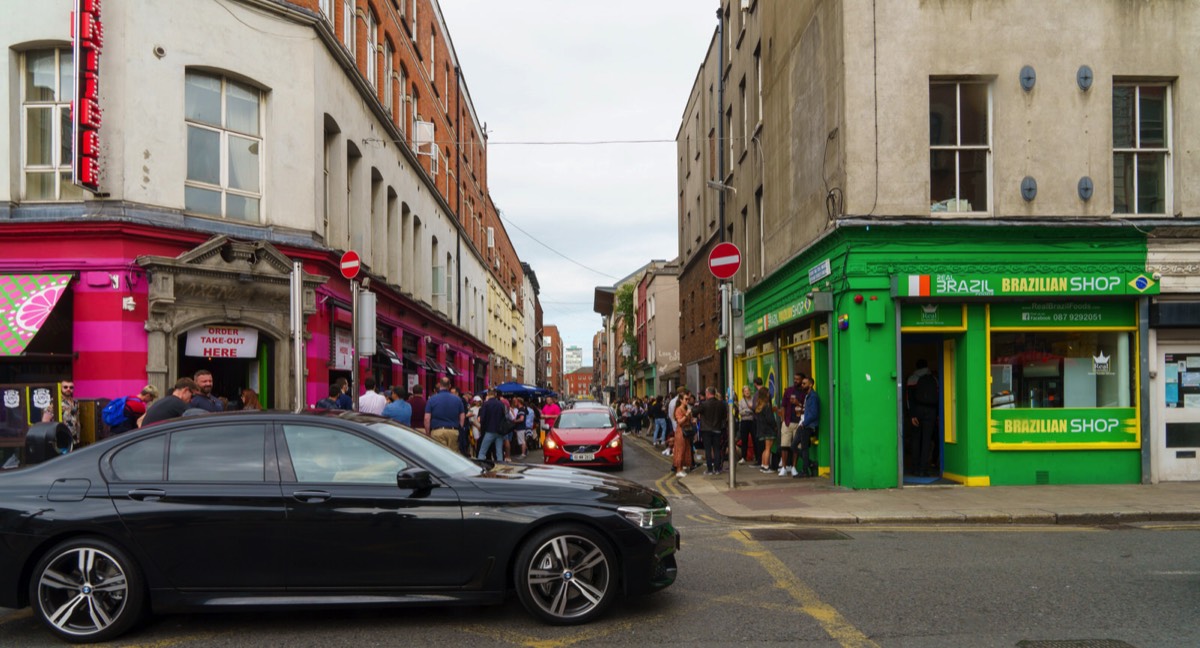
<point x="429" y="452"/>
<point x="582" y="420"/>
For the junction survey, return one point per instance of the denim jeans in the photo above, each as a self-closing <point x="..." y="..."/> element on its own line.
<point x="490" y="439"/>
<point x="660" y="430"/>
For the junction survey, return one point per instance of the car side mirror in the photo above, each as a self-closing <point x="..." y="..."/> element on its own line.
<point x="414" y="479"/>
<point x="622" y="426"/>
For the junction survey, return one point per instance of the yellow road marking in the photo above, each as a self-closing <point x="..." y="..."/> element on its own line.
<point x="593" y="632"/>
<point x="831" y="621"/>
<point x="970" y="528"/>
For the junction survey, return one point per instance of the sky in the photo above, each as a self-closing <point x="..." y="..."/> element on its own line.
<point x="582" y="71"/>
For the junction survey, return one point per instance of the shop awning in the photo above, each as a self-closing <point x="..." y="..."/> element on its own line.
<point x="387" y="350"/>
<point x="413" y="361"/>
<point x="25" y="303"/>
<point x="434" y="366"/>
<point x="450" y="370"/>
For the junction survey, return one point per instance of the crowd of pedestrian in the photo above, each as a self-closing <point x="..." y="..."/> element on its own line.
<point x="691" y="428"/>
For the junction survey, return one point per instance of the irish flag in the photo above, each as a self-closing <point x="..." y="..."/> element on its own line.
<point x="918" y="285"/>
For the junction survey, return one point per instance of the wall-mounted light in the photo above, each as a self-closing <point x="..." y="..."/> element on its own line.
<point x="858" y="299"/>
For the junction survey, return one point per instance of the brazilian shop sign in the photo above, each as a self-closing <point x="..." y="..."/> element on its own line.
<point x="1065" y="314"/>
<point x="1025" y="285"/>
<point x="1064" y="429"/>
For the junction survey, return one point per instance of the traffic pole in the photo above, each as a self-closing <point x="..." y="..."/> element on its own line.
<point x="730" y="393"/>
<point x="354" y="364"/>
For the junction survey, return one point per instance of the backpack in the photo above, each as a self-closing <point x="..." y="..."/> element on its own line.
<point x="114" y="412"/>
<point x="925" y="392"/>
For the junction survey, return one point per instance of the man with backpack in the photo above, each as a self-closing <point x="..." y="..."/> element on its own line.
<point x="122" y="414"/>
<point x="924" y="396"/>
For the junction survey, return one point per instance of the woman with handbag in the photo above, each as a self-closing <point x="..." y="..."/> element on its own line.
<point x="766" y="426"/>
<point x="684" y="436"/>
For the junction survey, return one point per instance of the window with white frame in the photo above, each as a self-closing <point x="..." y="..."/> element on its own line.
<point x="372" y="48"/>
<point x="224" y="147"/>
<point x="960" y="135"/>
<point x="327" y="10"/>
<point x="389" y="88"/>
<point x="47" y="84"/>
<point x="413" y="18"/>
<point x="1141" y="148"/>
<point x="402" y="118"/>
<point x="348" y="26"/>
<point x="432" y="54"/>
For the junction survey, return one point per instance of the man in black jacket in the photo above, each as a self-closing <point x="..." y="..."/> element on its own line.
<point x="492" y="416"/>
<point x="711" y="413"/>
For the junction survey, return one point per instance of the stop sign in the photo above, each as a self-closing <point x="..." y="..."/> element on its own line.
<point x="724" y="260"/>
<point x="350" y="264"/>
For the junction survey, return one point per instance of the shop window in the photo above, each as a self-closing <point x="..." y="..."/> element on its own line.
<point x="960" y="136"/>
<point x="46" y="88"/>
<point x="224" y="147"/>
<point x="1141" y="148"/>
<point x="1053" y="369"/>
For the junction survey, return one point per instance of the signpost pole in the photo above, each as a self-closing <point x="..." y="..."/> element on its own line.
<point x="299" y="372"/>
<point x="354" y="364"/>
<point x="730" y="393"/>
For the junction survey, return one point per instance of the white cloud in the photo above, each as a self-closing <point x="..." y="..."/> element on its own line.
<point x="582" y="70"/>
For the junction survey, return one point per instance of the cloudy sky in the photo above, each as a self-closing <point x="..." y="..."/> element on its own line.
<point x="582" y="71"/>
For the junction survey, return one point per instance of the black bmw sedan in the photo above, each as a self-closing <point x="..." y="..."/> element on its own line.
<point x="316" y="509"/>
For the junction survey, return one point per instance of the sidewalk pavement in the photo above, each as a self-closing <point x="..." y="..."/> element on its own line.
<point x="769" y="497"/>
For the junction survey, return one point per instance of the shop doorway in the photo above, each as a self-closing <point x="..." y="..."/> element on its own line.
<point x="1177" y="398"/>
<point x="922" y="362"/>
<point x="232" y="375"/>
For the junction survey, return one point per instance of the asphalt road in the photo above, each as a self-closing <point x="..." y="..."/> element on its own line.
<point x="1033" y="587"/>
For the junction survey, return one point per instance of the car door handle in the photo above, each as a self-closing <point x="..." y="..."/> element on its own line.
<point x="311" y="496"/>
<point x="147" y="494"/>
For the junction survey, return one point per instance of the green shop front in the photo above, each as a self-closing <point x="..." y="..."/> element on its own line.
<point x="1035" y="336"/>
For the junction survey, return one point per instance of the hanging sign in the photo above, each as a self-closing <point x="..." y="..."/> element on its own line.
<point x="220" y="341"/>
<point x="87" y="36"/>
<point x="343" y="350"/>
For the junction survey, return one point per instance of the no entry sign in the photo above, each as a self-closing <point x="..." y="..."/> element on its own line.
<point x="350" y="264"/>
<point x="724" y="260"/>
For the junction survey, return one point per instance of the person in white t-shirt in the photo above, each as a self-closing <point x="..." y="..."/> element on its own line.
<point x="371" y="402"/>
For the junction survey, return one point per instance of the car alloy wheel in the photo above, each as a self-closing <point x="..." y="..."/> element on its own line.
<point x="566" y="574"/>
<point x="87" y="590"/>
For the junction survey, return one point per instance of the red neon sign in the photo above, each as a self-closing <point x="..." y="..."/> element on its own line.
<point x="87" y="36"/>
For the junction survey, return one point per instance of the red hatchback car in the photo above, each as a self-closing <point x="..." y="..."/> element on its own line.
<point x="588" y="438"/>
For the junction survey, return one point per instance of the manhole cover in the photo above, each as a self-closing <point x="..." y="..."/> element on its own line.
<point x="1073" y="643"/>
<point x="791" y="535"/>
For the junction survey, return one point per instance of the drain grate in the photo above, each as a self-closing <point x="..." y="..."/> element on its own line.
<point x="792" y="535"/>
<point x="1074" y="643"/>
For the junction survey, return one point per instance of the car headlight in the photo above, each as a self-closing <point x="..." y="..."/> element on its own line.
<point x="646" y="518"/>
<point x="616" y="442"/>
<point x="551" y="444"/>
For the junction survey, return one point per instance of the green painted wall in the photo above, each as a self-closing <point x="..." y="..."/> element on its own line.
<point x="862" y="397"/>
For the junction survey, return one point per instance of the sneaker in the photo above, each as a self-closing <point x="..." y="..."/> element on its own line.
<point x="741" y="461"/>
<point x="681" y="474"/>
<point x="666" y="452"/>
<point x="783" y="471"/>
<point x="792" y="470"/>
<point x="708" y="472"/>
<point x="766" y="469"/>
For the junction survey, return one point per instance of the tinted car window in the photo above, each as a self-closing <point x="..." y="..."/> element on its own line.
<point x="435" y="456"/>
<point x="211" y="454"/>
<point x="324" y="455"/>
<point x="141" y="461"/>
<point x="584" y="419"/>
